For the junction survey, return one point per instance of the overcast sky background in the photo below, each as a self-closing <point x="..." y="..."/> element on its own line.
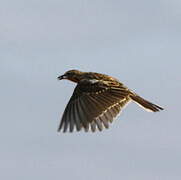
<point x="138" y="42"/>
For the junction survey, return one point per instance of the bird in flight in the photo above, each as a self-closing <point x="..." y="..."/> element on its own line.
<point x="96" y="101"/>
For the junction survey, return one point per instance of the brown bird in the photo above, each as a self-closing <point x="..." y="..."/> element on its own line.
<point x="96" y="101"/>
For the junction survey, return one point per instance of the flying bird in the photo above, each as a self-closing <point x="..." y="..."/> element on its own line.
<point x="96" y="101"/>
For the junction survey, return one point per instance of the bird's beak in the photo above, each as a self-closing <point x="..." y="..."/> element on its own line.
<point x="62" y="77"/>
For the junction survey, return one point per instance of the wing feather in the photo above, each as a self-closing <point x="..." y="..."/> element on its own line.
<point x="94" y="104"/>
<point x="76" y="116"/>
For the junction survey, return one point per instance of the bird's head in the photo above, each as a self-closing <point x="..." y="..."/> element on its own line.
<point x="72" y="75"/>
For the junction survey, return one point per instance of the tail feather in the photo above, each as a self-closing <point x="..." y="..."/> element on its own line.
<point x="146" y="104"/>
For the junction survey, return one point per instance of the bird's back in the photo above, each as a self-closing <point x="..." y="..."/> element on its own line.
<point x="99" y="76"/>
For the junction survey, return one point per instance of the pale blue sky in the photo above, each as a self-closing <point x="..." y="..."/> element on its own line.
<point x="138" y="42"/>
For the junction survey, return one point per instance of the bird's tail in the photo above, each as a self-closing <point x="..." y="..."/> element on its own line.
<point x="145" y="104"/>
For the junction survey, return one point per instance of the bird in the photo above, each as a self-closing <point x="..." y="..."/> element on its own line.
<point x="96" y="101"/>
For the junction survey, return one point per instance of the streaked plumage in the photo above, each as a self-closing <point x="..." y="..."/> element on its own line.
<point x="96" y="101"/>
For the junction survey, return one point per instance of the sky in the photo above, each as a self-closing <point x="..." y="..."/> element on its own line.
<point x="138" y="42"/>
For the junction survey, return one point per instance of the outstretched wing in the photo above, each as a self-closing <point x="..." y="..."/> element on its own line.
<point x="94" y="104"/>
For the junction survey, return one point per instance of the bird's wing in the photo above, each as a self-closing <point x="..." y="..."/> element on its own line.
<point x="94" y="104"/>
